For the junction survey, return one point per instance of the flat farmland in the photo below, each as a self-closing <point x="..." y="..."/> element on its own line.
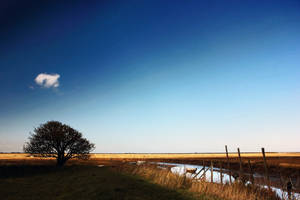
<point x="285" y="159"/>
<point x="280" y="159"/>
<point x="280" y="165"/>
<point x="30" y="168"/>
<point x="191" y="155"/>
<point x="166" y="155"/>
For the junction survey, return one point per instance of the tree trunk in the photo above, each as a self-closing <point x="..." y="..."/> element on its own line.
<point x="61" y="160"/>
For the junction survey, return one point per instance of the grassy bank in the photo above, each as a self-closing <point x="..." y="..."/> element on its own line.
<point x="81" y="182"/>
<point x="200" y="188"/>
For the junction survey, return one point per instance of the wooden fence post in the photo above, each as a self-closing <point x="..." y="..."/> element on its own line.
<point x="281" y="184"/>
<point x="241" y="165"/>
<point x="228" y="165"/>
<point x="211" y="171"/>
<point x="251" y="172"/>
<point x="221" y="172"/>
<point x="266" y="167"/>
<point x="289" y="187"/>
<point x="204" y="172"/>
<point x="298" y="180"/>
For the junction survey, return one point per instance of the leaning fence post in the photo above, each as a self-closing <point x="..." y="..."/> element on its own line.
<point x="241" y="165"/>
<point x="211" y="171"/>
<point x="228" y="165"/>
<point x="266" y="167"/>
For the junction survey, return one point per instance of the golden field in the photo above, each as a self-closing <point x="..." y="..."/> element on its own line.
<point x="279" y="164"/>
<point x="281" y="159"/>
<point x="288" y="162"/>
<point x="162" y="155"/>
<point x="190" y="155"/>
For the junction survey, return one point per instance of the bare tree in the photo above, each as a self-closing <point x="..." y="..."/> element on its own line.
<point x="54" y="139"/>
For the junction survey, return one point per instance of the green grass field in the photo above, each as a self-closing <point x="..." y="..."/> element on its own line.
<point x="80" y="182"/>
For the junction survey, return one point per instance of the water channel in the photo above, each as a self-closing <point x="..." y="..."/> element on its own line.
<point x="258" y="178"/>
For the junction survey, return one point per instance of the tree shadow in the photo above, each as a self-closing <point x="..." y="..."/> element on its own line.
<point x="15" y="171"/>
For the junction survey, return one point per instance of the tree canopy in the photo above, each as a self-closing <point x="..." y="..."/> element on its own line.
<point x="54" y="139"/>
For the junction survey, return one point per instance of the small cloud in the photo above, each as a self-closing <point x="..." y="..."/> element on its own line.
<point x="31" y="87"/>
<point x="47" y="80"/>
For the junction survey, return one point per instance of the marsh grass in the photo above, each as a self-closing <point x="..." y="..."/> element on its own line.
<point x="168" y="179"/>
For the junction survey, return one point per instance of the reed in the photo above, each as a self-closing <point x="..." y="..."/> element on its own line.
<point x="199" y="188"/>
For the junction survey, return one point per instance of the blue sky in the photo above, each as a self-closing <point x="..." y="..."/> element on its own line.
<point x="153" y="76"/>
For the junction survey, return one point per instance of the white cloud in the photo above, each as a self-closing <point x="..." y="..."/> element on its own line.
<point x="47" y="80"/>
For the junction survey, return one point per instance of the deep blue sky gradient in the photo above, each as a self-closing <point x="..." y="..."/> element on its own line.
<point x="154" y="76"/>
